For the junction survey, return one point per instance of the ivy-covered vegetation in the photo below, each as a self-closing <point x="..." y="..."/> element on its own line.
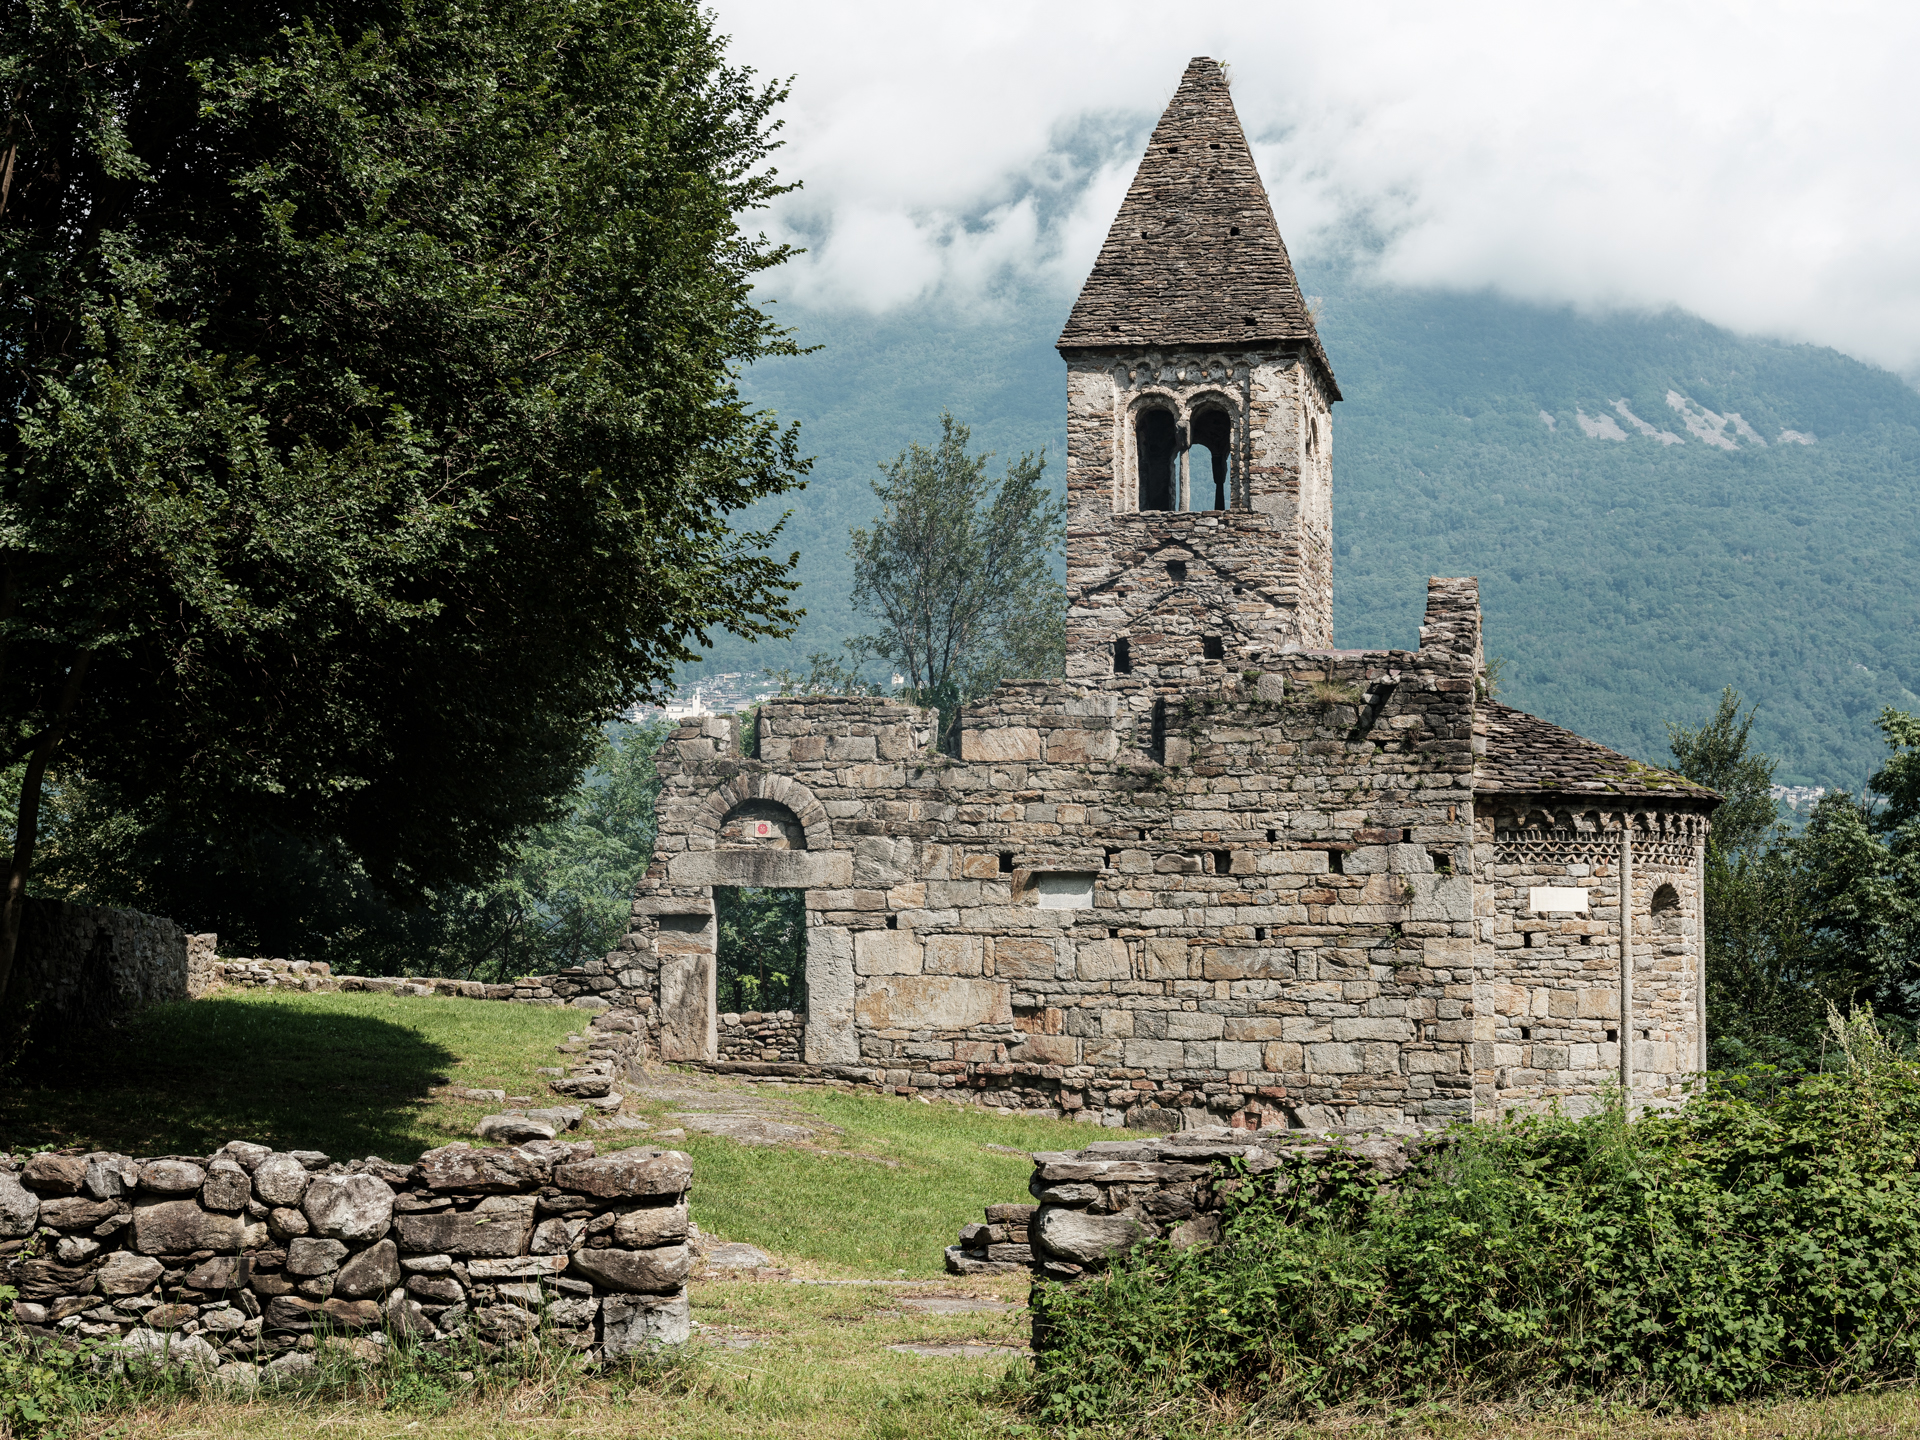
<point x="1764" y="1240"/>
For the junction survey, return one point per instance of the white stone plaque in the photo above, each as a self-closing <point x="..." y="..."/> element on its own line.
<point x="1064" y="889"/>
<point x="1554" y="897"/>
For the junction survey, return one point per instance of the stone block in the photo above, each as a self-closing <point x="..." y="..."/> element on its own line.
<point x="651" y="1227"/>
<point x="1600" y="1004"/>
<point x="1279" y="1058"/>
<point x="461" y="1169"/>
<point x="354" y="1208"/>
<point x="1000" y="744"/>
<point x="638" y="1324"/>
<point x="1373" y="1029"/>
<point x="659" y="1271"/>
<point x="641" y="1173"/>
<point x="1080" y="747"/>
<point x="1167" y="960"/>
<point x="1155" y="1054"/>
<point x="179" y="1227"/>
<point x="1046" y="1050"/>
<point x="1083" y="1239"/>
<point x="1103" y="960"/>
<point x="932" y="1002"/>
<point x="482" y="1231"/>
<point x="1254" y="1027"/>
<point x="953" y="954"/>
<point x="1025" y="959"/>
<point x="1333" y="1059"/>
<point x="1194" y="1025"/>
<point x="754" y="866"/>
<point x="886" y="952"/>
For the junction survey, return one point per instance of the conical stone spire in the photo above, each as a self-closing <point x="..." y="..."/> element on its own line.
<point x="1195" y="257"/>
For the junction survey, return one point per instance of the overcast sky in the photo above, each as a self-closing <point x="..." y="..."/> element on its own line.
<point x="1756" y="164"/>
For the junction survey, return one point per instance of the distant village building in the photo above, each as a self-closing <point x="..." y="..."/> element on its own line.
<point x="1222" y="869"/>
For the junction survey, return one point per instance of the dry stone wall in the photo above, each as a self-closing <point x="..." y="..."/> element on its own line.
<point x="778" y="1038"/>
<point x="235" y="1260"/>
<point x="1095" y="1204"/>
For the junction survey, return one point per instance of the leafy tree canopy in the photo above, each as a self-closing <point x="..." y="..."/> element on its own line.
<point x="370" y="427"/>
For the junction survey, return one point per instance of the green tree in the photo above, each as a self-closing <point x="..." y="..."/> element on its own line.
<point x="370" y="428"/>
<point x="1766" y="1001"/>
<point x="564" y="896"/>
<point x="959" y="571"/>
<point x="1795" y="924"/>
<point x="762" y="955"/>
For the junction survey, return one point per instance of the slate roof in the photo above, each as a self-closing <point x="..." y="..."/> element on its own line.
<point x="1527" y="756"/>
<point x="1173" y="272"/>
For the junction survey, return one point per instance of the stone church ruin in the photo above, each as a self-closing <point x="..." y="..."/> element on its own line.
<point x="1221" y="871"/>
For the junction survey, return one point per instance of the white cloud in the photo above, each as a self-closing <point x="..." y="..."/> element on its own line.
<point x="1753" y="163"/>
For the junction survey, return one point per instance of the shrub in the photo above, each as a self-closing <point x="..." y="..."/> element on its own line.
<point x="1765" y="1239"/>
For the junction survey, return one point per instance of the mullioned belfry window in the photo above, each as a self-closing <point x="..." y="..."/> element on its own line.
<point x="1159" y="458"/>
<point x="1211" y="457"/>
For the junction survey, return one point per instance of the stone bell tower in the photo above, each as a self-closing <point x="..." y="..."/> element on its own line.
<point x="1199" y="435"/>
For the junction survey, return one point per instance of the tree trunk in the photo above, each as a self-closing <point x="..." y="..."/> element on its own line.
<point x="27" y="829"/>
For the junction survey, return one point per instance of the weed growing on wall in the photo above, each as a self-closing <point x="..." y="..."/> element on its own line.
<point x="1765" y="1240"/>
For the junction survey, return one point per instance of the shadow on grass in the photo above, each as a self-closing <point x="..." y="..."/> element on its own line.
<point x="186" y="1078"/>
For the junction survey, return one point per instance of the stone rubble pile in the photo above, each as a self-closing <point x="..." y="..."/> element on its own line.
<point x="612" y="1043"/>
<point x="235" y="1260"/>
<point x="1097" y="1203"/>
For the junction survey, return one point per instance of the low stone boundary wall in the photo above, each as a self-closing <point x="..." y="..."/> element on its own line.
<point x="234" y="1260"/>
<point x="1100" y="1202"/>
<point x="573" y="987"/>
<point x="776" y="1039"/>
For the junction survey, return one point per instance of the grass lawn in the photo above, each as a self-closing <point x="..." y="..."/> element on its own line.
<point x="844" y="1212"/>
<point x="345" y="1073"/>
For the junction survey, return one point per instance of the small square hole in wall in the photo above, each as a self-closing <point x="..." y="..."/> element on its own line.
<point x="1442" y="861"/>
<point x="1222" y="862"/>
<point x="1273" y="837"/>
<point x="1176" y="569"/>
<point x="1336" y="862"/>
<point x="1006" y="862"/>
<point x="1113" y="933"/>
<point x="1526" y="1032"/>
<point x="1613" y="1035"/>
<point x="1213" y="647"/>
<point x="893" y="922"/>
<point x="1260" y="932"/>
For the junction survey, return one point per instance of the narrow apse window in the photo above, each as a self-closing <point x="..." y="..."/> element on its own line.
<point x="1122" y="657"/>
<point x="1158" y="454"/>
<point x="1211" y="452"/>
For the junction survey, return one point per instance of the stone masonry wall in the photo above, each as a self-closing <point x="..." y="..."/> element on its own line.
<point x="1549" y="993"/>
<point x="237" y="1258"/>
<point x="88" y="965"/>
<point x="1252" y="902"/>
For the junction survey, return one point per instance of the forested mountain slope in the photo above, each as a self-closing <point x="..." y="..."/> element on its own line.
<point x="1655" y="507"/>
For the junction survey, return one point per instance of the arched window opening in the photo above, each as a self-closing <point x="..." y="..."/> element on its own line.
<point x="1159" y="455"/>
<point x="1212" y="453"/>
<point x="1122" y="657"/>
<point x="1665" y="899"/>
